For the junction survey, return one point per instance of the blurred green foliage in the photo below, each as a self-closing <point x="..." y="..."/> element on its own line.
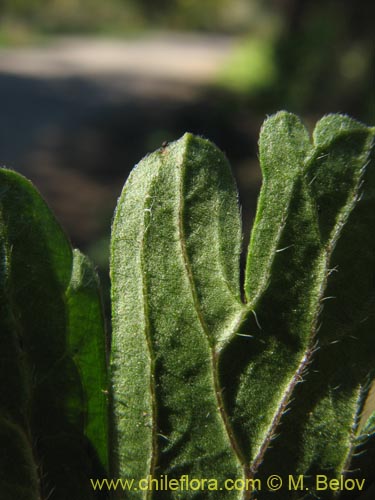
<point x="66" y="16"/>
<point x="325" y="57"/>
<point x="124" y="15"/>
<point x="310" y="57"/>
<point x="250" y="68"/>
<point x="307" y="56"/>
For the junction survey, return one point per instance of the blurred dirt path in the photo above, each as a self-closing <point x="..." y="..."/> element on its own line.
<point x="78" y="113"/>
<point x="186" y="59"/>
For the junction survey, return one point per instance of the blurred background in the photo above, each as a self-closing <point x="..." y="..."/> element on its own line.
<point x="89" y="87"/>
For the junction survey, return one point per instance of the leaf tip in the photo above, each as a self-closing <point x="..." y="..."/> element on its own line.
<point x="332" y="125"/>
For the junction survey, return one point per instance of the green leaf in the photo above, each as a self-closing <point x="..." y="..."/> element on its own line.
<point x="206" y="386"/>
<point x="15" y="440"/>
<point x="49" y="397"/>
<point x="283" y="145"/>
<point x="172" y="304"/>
<point x="363" y="457"/>
<point x="315" y="315"/>
<point x="18" y="471"/>
<point x="86" y="341"/>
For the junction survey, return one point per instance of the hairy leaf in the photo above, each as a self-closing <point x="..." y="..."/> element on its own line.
<point x="47" y="399"/>
<point x="315" y="315"/>
<point x="172" y="305"/>
<point x="207" y="386"/>
<point x="86" y="341"/>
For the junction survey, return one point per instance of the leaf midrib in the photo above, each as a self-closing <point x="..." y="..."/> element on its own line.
<point x="214" y="352"/>
<point x="311" y="340"/>
<point x="154" y="452"/>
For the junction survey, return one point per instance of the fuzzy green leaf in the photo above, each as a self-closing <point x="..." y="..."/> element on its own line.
<point x="203" y="384"/>
<point x="16" y="443"/>
<point x="362" y="463"/>
<point x="172" y="304"/>
<point x="44" y="393"/>
<point x="283" y="145"/>
<point x="87" y="347"/>
<point x="315" y="315"/>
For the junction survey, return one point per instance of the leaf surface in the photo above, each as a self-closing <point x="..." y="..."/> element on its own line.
<point x="41" y="330"/>
<point x="315" y="316"/>
<point x="172" y="306"/>
<point x="207" y="386"/>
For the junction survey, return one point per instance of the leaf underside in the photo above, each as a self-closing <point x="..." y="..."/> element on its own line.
<point x="53" y="418"/>
<point x="208" y="386"/>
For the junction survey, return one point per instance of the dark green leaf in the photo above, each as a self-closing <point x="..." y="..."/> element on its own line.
<point x="47" y="386"/>
<point x="207" y="386"/>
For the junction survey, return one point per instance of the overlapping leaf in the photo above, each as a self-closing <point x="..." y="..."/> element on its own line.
<point x="172" y="306"/>
<point x="53" y="409"/>
<point x="203" y="384"/>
